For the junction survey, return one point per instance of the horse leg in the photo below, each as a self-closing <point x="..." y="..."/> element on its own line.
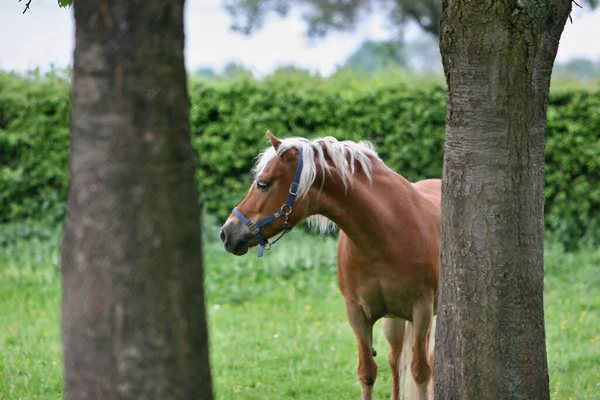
<point x="420" y="366"/>
<point x="393" y="328"/>
<point x="431" y="355"/>
<point x="363" y="330"/>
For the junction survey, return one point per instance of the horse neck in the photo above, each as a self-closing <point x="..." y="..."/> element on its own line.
<point x="366" y="212"/>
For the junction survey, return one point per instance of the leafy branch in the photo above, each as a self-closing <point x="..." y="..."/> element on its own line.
<point x="61" y="3"/>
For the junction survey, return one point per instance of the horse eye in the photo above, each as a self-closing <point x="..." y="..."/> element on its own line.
<point x="262" y="185"/>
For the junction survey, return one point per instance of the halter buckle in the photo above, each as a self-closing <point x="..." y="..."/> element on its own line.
<point x="253" y="229"/>
<point x="294" y="188"/>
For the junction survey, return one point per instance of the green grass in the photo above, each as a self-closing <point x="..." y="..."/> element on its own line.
<point x="277" y="324"/>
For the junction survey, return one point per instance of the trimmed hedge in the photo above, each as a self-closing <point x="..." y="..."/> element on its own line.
<point x="404" y="118"/>
<point x="34" y="146"/>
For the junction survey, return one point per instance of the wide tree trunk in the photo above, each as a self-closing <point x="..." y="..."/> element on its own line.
<point x="133" y="312"/>
<point x="498" y="58"/>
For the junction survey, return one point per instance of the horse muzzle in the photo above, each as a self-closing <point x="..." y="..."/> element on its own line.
<point x="236" y="238"/>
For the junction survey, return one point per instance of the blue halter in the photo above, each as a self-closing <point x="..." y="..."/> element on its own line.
<point x="285" y="212"/>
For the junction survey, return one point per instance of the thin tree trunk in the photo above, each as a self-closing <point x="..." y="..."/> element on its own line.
<point x="498" y="59"/>
<point x="133" y="312"/>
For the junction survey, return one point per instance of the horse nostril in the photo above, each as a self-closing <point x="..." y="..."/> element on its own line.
<point x="223" y="236"/>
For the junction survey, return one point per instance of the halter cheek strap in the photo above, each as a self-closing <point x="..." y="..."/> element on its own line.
<point x="285" y="212"/>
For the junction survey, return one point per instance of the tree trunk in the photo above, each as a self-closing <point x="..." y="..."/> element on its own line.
<point x="133" y="313"/>
<point x="498" y="59"/>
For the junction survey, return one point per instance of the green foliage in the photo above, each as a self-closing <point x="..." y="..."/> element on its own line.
<point x="325" y="16"/>
<point x="572" y="191"/>
<point x="378" y="55"/>
<point x="34" y="144"/>
<point x="403" y="115"/>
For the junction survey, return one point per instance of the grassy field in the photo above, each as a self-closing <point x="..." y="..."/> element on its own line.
<point x="277" y="324"/>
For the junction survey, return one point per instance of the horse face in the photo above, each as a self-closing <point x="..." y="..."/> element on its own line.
<point x="266" y="196"/>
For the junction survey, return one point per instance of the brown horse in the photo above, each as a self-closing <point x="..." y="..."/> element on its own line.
<point x="388" y="250"/>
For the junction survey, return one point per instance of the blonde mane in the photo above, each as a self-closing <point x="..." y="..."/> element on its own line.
<point x="343" y="154"/>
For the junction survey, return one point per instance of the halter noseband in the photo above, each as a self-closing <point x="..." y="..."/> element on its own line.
<point x="285" y="212"/>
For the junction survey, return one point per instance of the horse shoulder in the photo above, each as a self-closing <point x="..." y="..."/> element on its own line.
<point x="430" y="189"/>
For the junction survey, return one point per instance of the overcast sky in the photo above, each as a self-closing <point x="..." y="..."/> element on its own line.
<point x="44" y="35"/>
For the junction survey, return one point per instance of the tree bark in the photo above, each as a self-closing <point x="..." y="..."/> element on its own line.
<point x="133" y="312"/>
<point x="498" y="59"/>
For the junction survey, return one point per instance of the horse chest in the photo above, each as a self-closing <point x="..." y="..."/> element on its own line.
<point x="377" y="295"/>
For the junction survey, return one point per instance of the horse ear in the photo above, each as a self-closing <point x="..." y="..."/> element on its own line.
<point x="274" y="141"/>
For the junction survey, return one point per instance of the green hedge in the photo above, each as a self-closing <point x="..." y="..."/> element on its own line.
<point x="403" y="117"/>
<point x="34" y="145"/>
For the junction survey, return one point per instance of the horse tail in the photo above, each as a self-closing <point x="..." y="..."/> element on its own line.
<point x="411" y="391"/>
